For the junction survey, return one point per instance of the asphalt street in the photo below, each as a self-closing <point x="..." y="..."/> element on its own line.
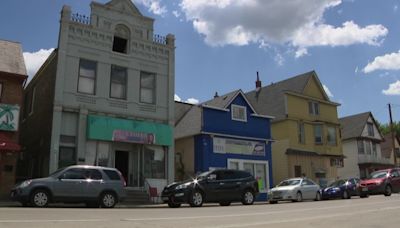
<point x="375" y="211"/>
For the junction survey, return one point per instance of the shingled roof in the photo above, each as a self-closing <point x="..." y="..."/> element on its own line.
<point x="269" y="100"/>
<point x="353" y="126"/>
<point x="222" y="101"/>
<point x="11" y="58"/>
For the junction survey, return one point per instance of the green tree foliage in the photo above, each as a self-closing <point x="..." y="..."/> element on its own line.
<point x="385" y="128"/>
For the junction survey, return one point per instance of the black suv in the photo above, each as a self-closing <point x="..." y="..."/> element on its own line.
<point x="222" y="186"/>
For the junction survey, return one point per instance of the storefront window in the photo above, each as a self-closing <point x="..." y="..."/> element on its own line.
<point x="259" y="169"/>
<point x="154" y="158"/>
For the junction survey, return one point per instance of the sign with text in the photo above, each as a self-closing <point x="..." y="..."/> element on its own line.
<point x="235" y="146"/>
<point x="133" y="137"/>
<point x="9" y="116"/>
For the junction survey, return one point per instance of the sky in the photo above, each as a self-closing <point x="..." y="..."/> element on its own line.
<point x="353" y="45"/>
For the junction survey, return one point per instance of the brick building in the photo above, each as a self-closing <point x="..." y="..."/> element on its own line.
<point x="12" y="77"/>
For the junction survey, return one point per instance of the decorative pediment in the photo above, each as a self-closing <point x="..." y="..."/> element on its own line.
<point x="125" y="6"/>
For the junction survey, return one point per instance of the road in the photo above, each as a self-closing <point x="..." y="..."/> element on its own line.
<point x="375" y="211"/>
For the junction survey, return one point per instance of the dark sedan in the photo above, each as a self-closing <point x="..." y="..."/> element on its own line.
<point x="344" y="188"/>
<point x="221" y="186"/>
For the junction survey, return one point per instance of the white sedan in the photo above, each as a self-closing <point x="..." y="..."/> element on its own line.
<point x="294" y="189"/>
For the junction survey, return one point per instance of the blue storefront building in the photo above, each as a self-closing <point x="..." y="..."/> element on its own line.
<point x="225" y="132"/>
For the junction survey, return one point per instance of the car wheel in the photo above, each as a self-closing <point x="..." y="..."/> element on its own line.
<point x="196" y="199"/>
<point x="108" y="200"/>
<point x="248" y="197"/>
<point x="299" y="197"/>
<point x="40" y="198"/>
<point x="173" y="205"/>
<point x="224" y="203"/>
<point x="346" y="195"/>
<point x="388" y="190"/>
<point x="273" y="202"/>
<point x="318" y="197"/>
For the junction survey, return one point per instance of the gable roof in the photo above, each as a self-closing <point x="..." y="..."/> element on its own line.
<point x="269" y="100"/>
<point x="11" y="58"/>
<point x="222" y="102"/>
<point x="353" y="126"/>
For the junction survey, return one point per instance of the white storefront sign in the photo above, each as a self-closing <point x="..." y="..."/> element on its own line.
<point x="235" y="146"/>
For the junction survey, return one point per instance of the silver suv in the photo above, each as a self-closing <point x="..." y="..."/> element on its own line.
<point x="96" y="186"/>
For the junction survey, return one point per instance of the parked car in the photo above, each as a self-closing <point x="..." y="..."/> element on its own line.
<point x="96" y="186"/>
<point x="383" y="182"/>
<point x="222" y="186"/>
<point x="344" y="188"/>
<point x="294" y="189"/>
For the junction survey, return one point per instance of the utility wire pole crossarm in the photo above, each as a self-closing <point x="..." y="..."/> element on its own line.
<point x="392" y="133"/>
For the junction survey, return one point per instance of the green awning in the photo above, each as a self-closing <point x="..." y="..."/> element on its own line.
<point x="131" y="131"/>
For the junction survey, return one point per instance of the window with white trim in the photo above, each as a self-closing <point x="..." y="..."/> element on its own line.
<point x="87" y="76"/>
<point x="147" y="87"/>
<point x="313" y="108"/>
<point x="318" y="134"/>
<point x="239" y="113"/>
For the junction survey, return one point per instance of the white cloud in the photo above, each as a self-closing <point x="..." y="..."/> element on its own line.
<point x="356" y="70"/>
<point x="190" y="100"/>
<point x="153" y="6"/>
<point x="177" y="98"/>
<point x="242" y="22"/>
<point x="176" y="13"/>
<point x="386" y="62"/>
<point x="394" y="89"/>
<point x="328" y="92"/>
<point x="34" y="60"/>
<point x="395" y="8"/>
<point x="349" y="33"/>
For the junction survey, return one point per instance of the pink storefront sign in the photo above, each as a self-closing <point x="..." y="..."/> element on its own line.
<point x="133" y="137"/>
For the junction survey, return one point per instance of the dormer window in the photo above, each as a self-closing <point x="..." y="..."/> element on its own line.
<point x="370" y="127"/>
<point x="239" y="113"/>
<point x="121" y="39"/>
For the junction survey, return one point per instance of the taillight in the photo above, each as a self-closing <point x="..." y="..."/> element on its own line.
<point x="122" y="178"/>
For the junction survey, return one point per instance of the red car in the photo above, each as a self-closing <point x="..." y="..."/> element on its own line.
<point x="383" y="182"/>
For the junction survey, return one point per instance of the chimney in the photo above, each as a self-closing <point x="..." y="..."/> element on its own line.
<point x="216" y="95"/>
<point x="258" y="83"/>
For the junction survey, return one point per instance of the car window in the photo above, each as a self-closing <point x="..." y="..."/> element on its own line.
<point x="112" y="174"/>
<point x="74" y="174"/>
<point x="242" y="174"/>
<point x="226" y="175"/>
<point x="308" y="182"/>
<point x="395" y="173"/>
<point x="289" y="183"/>
<point x="95" y="174"/>
<point x="379" y="174"/>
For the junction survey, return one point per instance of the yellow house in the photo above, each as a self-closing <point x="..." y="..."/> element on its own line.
<point x="306" y="128"/>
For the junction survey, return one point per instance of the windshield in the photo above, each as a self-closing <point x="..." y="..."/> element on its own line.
<point x="337" y="183"/>
<point x="203" y="175"/>
<point x="288" y="183"/>
<point x="56" y="172"/>
<point x="379" y="174"/>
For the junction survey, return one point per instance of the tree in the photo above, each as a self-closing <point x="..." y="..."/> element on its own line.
<point x="385" y="128"/>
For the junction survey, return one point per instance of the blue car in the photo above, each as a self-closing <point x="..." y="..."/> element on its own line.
<point x="344" y="188"/>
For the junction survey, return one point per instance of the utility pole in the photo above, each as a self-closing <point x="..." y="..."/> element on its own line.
<point x="392" y="133"/>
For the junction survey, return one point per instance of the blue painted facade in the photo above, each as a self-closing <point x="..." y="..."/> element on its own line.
<point x="219" y="123"/>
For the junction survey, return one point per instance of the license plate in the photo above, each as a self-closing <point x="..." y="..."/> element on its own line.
<point x="364" y="189"/>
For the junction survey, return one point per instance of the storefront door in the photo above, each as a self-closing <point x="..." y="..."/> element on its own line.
<point x="130" y="164"/>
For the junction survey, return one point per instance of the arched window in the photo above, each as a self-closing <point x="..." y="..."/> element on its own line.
<point x="121" y="39"/>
